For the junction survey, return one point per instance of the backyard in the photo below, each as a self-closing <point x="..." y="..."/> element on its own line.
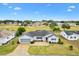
<point x="28" y="28"/>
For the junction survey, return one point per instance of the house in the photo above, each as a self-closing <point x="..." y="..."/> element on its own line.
<point x="38" y="35"/>
<point x="6" y="36"/>
<point x="70" y="35"/>
<point x="70" y="24"/>
<point x="37" y="23"/>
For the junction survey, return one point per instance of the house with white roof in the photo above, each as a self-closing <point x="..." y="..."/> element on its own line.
<point x="70" y="35"/>
<point x="39" y="35"/>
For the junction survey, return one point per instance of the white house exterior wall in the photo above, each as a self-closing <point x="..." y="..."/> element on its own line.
<point x="53" y="37"/>
<point x="25" y="37"/>
<point x="43" y="38"/>
<point x="35" y="38"/>
<point x="64" y="35"/>
<point x="68" y="37"/>
<point x="73" y="37"/>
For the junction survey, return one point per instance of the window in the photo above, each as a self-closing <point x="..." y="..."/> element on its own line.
<point x="75" y="37"/>
<point x="7" y="37"/>
<point x="39" y="37"/>
<point x="53" y="39"/>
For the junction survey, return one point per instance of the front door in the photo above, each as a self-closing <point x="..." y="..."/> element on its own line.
<point x="46" y="39"/>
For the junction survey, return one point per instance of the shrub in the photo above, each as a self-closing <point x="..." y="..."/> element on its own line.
<point x="71" y="47"/>
<point x="49" y="42"/>
<point x="32" y="42"/>
<point x="60" y="42"/>
<point x="18" y="42"/>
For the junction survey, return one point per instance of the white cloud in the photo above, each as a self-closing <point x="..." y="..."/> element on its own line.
<point x="69" y="10"/>
<point x="17" y="8"/>
<point x="72" y="7"/>
<point x="5" y="4"/>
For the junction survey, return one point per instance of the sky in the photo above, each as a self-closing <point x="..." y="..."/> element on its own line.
<point x="39" y="11"/>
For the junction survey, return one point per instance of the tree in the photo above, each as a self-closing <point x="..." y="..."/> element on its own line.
<point x="52" y="23"/>
<point x="77" y="22"/>
<point x="44" y="20"/>
<point x="56" y="29"/>
<point x="46" y="24"/>
<point x="27" y="21"/>
<point x="20" y="31"/>
<point x="49" y="21"/>
<point x="7" y="21"/>
<point x="66" y="26"/>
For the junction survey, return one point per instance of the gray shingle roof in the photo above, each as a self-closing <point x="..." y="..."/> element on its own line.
<point x="38" y="33"/>
<point x="71" y="32"/>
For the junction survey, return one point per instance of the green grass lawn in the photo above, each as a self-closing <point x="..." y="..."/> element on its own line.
<point x="33" y="28"/>
<point x="72" y="28"/>
<point x="28" y="28"/>
<point x="53" y="49"/>
<point x="9" y="27"/>
<point x="9" y="47"/>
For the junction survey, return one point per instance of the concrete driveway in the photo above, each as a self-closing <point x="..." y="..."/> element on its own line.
<point x="21" y="50"/>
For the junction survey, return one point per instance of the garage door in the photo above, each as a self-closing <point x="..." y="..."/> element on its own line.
<point x="25" y="40"/>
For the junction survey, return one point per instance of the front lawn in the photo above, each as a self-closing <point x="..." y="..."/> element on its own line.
<point x="53" y="49"/>
<point x="9" y="47"/>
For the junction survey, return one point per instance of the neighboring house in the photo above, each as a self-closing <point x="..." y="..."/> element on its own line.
<point x="71" y="24"/>
<point x="13" y="23"/>
<point x="6" y="36"/>
<point x="36" y="24"/>
<point x="39" y="35"/>
<point x="70" y="35"/>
